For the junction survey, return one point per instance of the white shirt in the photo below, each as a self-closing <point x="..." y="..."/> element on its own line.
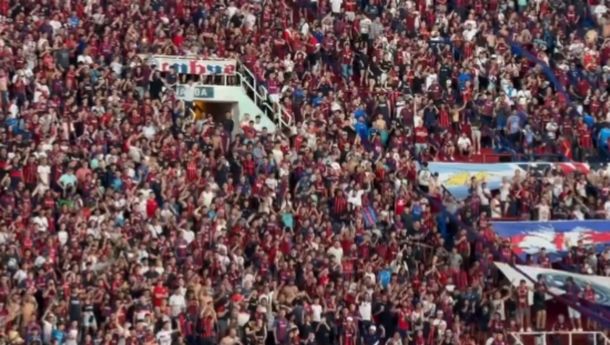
<point x="288" y="65"/>
<point x="305" y="29"/>
<point x="431" y="79"/>
<point x="188" y="236"/>
<point x="365" y="310"/>
<point x="484" y="194"/>
<point x="40" y="91"/>
<point x="164" y="337"/>
<point x="72" y="337"/>
<point x="497" y="306"/>
<point x="62" y="237"/>
<point x="177" y="304"/>
<point x="424" y="177"/>
<point x="155" y="230"/>
<point x="463" y="142"/>
<point x="505" y="191"/>
<point x="13" y="110"/>
<point x="551" y="129"/>
<point x="243" y="318"/>
<point x="355" y="198"/>
<point x="337" y="253"/>
<point x="55" y="25"/>
<point x="86" y="59"/>
<point x="117" y="67"/>
<point x="544" y="213"/>
<point x="231" y="10"/>
<point x="600" y="10"/>
<point x="496" y="209"/>
<point x="335" y="5"/>
<point x="365" y="26"/>
<point x="249" y="21"/>
<point x="44" y="171"/>
<point x="208" y="196"/>
<point x="469" y="34"/>
<point x="316" y="312"/>
<point x="42" y="224"/>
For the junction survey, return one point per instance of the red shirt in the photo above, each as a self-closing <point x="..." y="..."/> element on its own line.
<point x="159" y="294"/>
<point x="584" y="137"/>
<point x="29" y="173"/>
<point x="589" y="295"/>
<point x="151" y="207"/>
<point x="346" y="57"/>
<point x="421" y="135"/>
<point x="350" y="6"/>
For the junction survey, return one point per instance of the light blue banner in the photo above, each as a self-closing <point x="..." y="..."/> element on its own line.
<point x="457" y="177"/>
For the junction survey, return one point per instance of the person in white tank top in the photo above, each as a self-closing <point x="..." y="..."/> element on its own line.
<point x="544" y="211"/>
<point x="316" y="310"/>
<point x="498" y="305"/>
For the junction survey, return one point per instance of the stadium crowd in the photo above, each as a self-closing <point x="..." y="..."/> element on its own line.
<point x="126" y="220"/>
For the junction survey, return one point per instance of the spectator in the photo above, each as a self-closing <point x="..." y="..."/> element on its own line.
<point x="129" y="215"/>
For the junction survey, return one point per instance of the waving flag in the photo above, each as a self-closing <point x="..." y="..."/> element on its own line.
<point x="455" y="177"/>
<point x="556" y="237"/>
<point x="370" y="216"/>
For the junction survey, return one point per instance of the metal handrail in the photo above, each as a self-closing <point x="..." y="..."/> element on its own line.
<point x="259" y="93"/>
<point x="544" y="334"/>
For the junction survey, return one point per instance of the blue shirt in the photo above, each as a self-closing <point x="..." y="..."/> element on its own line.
<point x="529" y="137"/>
<point x="588" y="120"/>
<point x="463" y="78"/>
<point x="514" y="124"/>
<point x="73" y="21"/>
<point x="416" y="212"/>
<point x="604" y="135"/>
<point x="68" y="180"/>
<point x="58" y="335"/>
<point x="362" y="129"/>
<point x="358" y="113"/>
<point x="500" y="121"/>
<point x="385" y="277"/>
<point x="288" y="220"/>
<point x="117" y="184"/>
<point x="298" y="94"/>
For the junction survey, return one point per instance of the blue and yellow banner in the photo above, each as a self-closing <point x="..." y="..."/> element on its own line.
<point x="457" y="178"/>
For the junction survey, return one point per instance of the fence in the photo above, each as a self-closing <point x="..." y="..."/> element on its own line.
<point x="542" y="338"/>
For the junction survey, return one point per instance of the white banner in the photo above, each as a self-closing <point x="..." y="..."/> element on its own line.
<point x="191" y="64"/>
<point x="556" y="280"/>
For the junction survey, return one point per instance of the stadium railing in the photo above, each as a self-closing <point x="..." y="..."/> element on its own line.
<point x="556" y="337"/>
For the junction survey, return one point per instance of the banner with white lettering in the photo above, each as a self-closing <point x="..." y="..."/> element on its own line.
<point x="191" y="64"/>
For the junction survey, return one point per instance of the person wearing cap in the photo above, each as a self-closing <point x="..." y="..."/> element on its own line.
<point x="373" y="335"/>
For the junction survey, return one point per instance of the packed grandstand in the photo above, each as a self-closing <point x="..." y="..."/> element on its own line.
<point x="417" y="172"/>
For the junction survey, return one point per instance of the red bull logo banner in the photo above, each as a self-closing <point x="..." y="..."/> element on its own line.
<point x="556" y="237"/>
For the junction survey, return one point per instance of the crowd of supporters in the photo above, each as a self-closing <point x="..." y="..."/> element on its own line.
<point x="126" y="220"/>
